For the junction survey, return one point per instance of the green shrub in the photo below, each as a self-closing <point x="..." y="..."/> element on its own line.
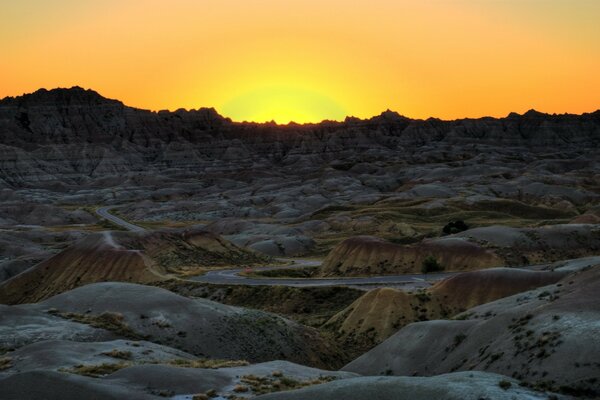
<point x="504" y="384"/>
<point x="455" y="227"/>
<point x="430" y="264"/>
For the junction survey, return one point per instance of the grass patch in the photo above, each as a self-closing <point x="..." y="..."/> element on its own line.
<point x="120" y="354"/>
<point x="109" y="321"/>
<point x="277" y="382"/>
<point x="5" y="363"/>
<point x="99" y="370"/>
<point x="205" y="363"/>
<point x="96" y="371"/>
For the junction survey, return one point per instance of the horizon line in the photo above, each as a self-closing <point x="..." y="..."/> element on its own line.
<point x="291" y="122"/>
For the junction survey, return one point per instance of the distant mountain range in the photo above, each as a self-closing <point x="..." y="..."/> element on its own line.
<point x="75" y="136"/>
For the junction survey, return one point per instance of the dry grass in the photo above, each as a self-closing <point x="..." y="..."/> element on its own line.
<point x="278" y="382"/>
<point x="120" y="354"/>
<point x="109" y="321"/>
<point x="96" y="371"/>
<point x="206" y="363"/>
<point x="428" y="222"/>
<point x="5" y="363"/>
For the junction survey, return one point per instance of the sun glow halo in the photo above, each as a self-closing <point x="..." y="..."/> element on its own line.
<point x="282" y="104"/>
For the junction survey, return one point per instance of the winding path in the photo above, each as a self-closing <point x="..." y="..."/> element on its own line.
<point x="233" y="277"/>
<point x="104" y="212"/>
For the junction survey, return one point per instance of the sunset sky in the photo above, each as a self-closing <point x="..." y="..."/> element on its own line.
<point x="308" y="60"/>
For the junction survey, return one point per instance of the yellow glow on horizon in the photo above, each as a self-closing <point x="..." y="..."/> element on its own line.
<point x="282" y="104"/>
<point x="308" y="60"/>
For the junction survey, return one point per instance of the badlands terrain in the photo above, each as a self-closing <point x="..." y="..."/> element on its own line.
<point x="148" y="255"/>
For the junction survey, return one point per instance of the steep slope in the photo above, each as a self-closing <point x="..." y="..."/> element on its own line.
<point x="547" y="337"/>
<point x="379" y="313"/>
<point x="486" y="247"/>
<point x="124" y="257"/>
<point x="93" y="259"/>
<point x="365" y="255"/>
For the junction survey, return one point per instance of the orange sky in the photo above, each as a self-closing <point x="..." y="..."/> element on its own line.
<point x="309" y="60"/>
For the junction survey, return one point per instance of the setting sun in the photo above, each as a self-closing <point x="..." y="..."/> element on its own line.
<point x="282" y="104"/>
<point x="310" y="60"/>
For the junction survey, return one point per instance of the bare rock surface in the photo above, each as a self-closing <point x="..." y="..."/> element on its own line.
<point x="381" y="312"/>
<point x="197" y="326"/>
<point x="373" y="194"/>
<point x="22" y="326"/>
<point x="269" y="239"/>
<point x="77" y="147"/>
<point x="547" y="337"/>
<point x="66" y="354"/>
<point x="53" y="385"/>
<point x="477" y="248"/>
<point x="155" y="381"/>
<point x="369" y="255"/>
<point x="456" y="386"/>
<point x="125" y="257"/>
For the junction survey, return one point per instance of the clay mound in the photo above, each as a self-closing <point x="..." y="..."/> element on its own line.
<point x="186" y="250"/>
<point x="456" y="254"/>
<point x="201" y="327"/>
<point x="123" y="257"/>
<point x="367" y="255"/>
<point x="549" y="337"/>
<point x="379" y="313"/>
<point x="154" y="381"/>
<point x="269" y="239"/>
<point x="21" y="326"/>
<point x="52" y="385"/>
<point x="586" y="219"/>
<point x="549" y="243"/>
<point x="58" y="354"/>
<point x="11" y="268"/>
<point x="96" y="258"/>
<point x="457" y="386"/>
<point x="20" y="211"/>
<point x="469" y="289"/>
<point x="375" y="316"/>
<point x="186" y="381"/>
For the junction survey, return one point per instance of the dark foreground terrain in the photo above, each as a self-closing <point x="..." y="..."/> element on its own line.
<point x="111" y="216"/>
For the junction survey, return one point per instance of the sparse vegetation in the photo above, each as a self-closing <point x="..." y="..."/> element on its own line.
<point x="120" y="354"/>
<point x="5" y="363"/>
<point x="423" y="296"/>
<point x="270" y="384"/>
<point x="96" y="371"/>
<point x="110" y="321"/>
<point x="306" y="272"/>
<point x="205" y="363"/>
<point x="504" y="384"/>
<point x="455" y="227"/>
<point x="430" y="264"/>
<point x="311" y="306"/>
